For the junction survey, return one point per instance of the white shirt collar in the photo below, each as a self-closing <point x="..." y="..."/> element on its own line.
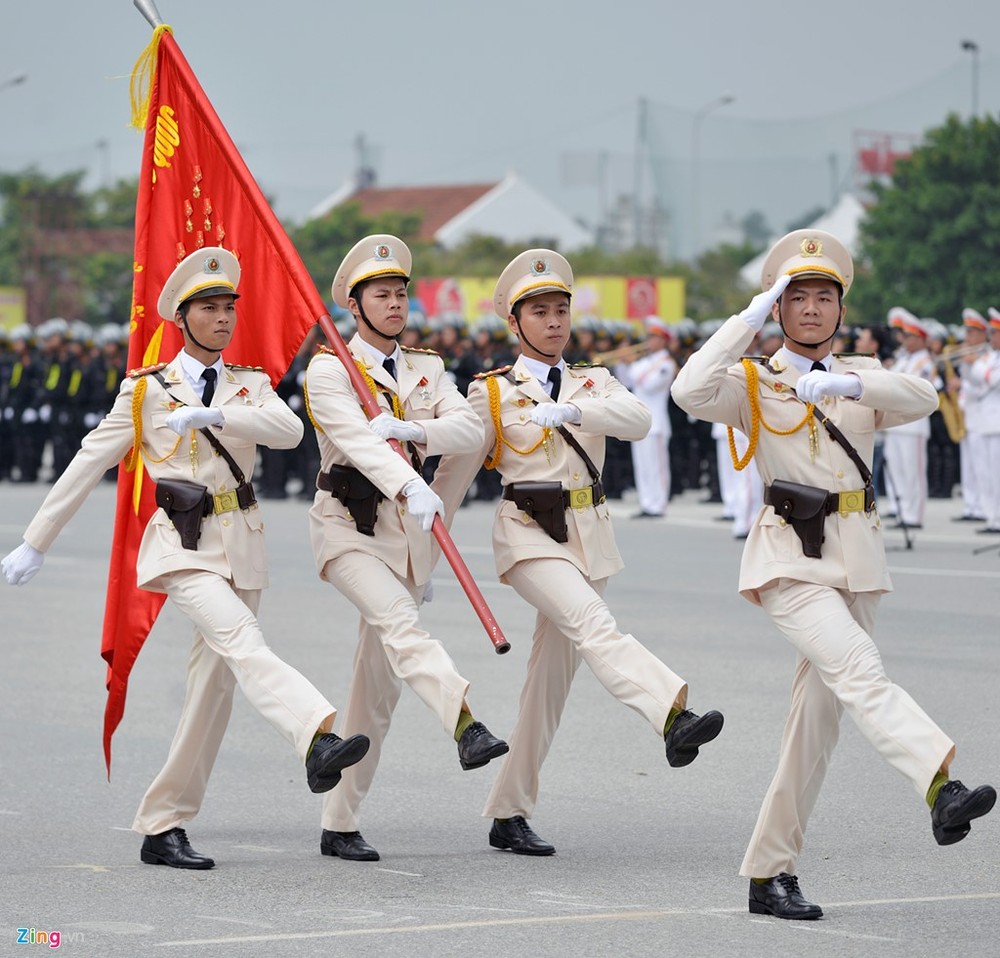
<point x="193" y="369"/>
<point x="376" y="357"/>
<point x="541" y="370"/>
<point x="802" y="363"/>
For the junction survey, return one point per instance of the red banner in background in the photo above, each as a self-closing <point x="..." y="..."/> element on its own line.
<point x="194" y="191"/>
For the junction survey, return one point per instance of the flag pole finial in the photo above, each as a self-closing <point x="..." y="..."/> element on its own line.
<point x="148" y="9"/>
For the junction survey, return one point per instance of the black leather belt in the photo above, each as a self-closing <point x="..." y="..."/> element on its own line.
<point x="850" y="500"/>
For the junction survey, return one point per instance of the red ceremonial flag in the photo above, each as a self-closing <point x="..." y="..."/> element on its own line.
<point x="194" y="190"/>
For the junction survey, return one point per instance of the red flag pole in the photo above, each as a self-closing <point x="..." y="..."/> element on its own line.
<point x="448" y="548"/>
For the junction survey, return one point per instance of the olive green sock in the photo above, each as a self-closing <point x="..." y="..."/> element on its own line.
<point x="671" y="715"/>
<point x="312" y="744"/>
<point x="932" y="793"/>
<point x="760" y="881"/>
<point x="465" y="719"/>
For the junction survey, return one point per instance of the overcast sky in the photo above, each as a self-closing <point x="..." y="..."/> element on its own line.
<point x="464" y="92"/>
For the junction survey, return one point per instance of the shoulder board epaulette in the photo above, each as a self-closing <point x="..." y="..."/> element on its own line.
<point x="582" y="364"/>
<point x="254" y="369"/>
<point x="850" y="355"/>
<point x="763" y="360"/>
<point x="499" y="371"/>
<point x="417" y="349"/>
<point x="145" y="370"/>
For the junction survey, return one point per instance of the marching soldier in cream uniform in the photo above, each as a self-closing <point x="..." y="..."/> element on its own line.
<point x="217" y="581"/>
<point x="649" y="379"/>
<point x="545" y="427"/>
<point x="372" y="515"/>
<point x="822" y="593"/>
<point x="906" y="444"/>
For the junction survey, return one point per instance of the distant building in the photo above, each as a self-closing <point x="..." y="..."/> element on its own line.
<point x="510" y="210"/>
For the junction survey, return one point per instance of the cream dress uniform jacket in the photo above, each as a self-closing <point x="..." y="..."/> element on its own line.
<point x="825" y="607"/>
<point x="216" y="585"/>
<point x="563" y="581"/>
<point x="384" y="575"/>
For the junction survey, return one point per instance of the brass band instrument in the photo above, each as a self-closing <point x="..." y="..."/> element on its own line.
<point x="951" y="412"/>
<point x="621" y="354"/>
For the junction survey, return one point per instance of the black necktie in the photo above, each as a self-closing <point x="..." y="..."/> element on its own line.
<point x="555" y="377"/>
<point x="389" y="365"/>
<point x="209" y="375"/>
<point x="817" y="365"/>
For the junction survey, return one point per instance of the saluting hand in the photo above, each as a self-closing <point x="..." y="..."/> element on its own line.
<point x="816" y="385"/>
<point x="757" y="313"/>
<point x="191" y="417"/>
<point x="554" y="414"/>
<point x="20" y="566"/>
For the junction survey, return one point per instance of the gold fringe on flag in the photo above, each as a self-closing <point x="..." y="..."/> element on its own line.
<point x="140" y="86"/>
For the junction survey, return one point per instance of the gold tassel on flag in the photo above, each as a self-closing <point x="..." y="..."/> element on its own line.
<point x="140" y="85"/>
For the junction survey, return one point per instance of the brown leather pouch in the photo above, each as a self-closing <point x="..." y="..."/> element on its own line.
<point x="545" y="502"/>
<point x="186" y="504"/>
<point x="804" y="508"/>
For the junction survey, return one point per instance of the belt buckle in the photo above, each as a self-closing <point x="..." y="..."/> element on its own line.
<point x="853" y="500"/>
<point x="226" y="501"/>
<point x="581" y="498"/>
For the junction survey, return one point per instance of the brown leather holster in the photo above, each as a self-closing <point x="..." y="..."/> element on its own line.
<point x="355" y="491"/>
<point x="804" y="508"/>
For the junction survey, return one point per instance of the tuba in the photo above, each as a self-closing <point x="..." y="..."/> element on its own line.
<point x="951" y="412"/>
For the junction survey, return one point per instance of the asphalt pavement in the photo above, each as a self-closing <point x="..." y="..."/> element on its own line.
<point x="647" y="856"/>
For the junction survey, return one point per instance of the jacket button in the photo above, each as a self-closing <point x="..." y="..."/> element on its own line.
<point x="226" y="522"/>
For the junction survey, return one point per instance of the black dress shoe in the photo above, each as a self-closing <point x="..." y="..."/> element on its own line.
<point x="988" y="531"/>
<point x="688" y="733"/>
<point x="329" y="756"/>
<point x="515" y="834"/>
<point x="646" y="515"/>
<point x="968" y="518"/>
<point x="478" y="745"/>
<point x="172" y="848"/>
<point x="349" y="845"/>
<point x="782" y="897"/>
<point x="955" y="807"/>
<point x="906" y="525"/>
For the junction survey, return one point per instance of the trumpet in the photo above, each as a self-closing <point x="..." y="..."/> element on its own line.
<point x="622" y="354"/>
<point x="960" y="352"/>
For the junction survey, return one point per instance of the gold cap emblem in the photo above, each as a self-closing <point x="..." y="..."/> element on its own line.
<point x="212" y="265"/>
<point x="811" y="247"/>
<point x="540" y="267"/>
<point x="383" y="252"/>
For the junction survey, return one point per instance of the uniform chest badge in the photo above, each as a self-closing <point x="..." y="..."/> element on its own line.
<point x="422" y="386"/>
<point x="244" y="394"/>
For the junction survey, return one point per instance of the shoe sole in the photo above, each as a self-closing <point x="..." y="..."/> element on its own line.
<point x="508" y="847"/>
<point x="333" y="853"/>
<point x="499" y="750"/>
<point x="149" y="858"/>
<point x="759" y="908"/>
<point x="328" y="777"/>
<point x="707" y="729"/>
<point x="952" y="832"/>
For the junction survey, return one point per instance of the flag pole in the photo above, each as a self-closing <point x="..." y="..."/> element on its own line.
<point x="148" y="9"/>
<point x="448" y="548"/>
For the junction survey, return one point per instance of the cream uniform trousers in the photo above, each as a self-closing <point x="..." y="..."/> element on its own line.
<point x="838" y="668"/>
<point x="573" y="623"/>
<point x="229" y="649"/>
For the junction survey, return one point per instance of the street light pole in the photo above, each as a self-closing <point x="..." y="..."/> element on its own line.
<point x="699" y="117"/>
<point x="971" y="47"/>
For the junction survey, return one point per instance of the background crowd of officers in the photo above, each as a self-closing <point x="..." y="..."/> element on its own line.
<point x="58" y="379"/>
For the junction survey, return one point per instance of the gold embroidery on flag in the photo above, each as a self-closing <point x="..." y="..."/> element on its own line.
<point x="167" y="136"/>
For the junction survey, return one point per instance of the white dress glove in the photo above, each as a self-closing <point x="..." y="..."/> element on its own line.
<point x="20" y="566"/>
<point x="814" y="386"/>
<point x="191" y="417"/>
<point x="389" y="427"/>
<point x="423" y="503"/>
<point x="29" y="416"/>
<point x="554" y="414"/>
<point x="759" y="310"/>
